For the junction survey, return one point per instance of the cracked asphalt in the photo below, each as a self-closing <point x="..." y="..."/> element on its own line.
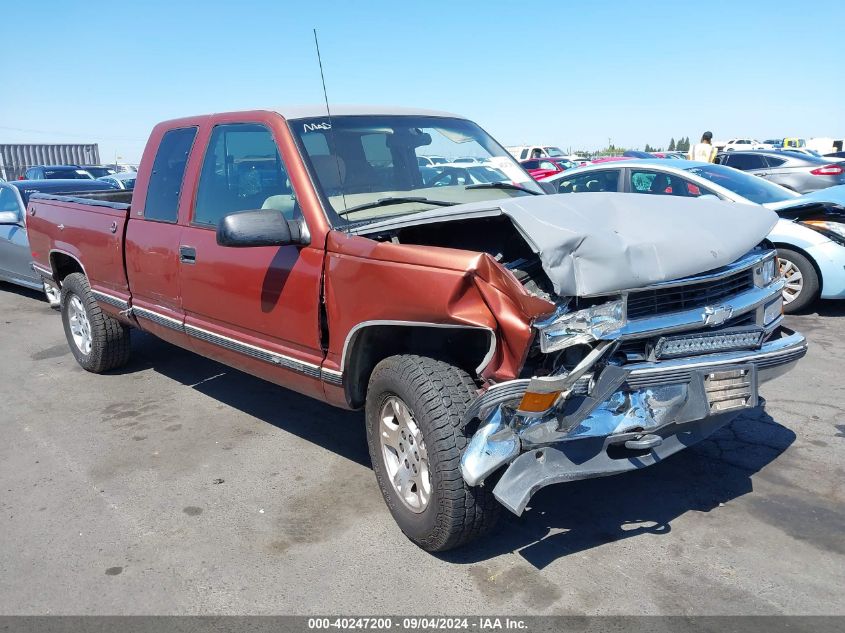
<point x="179" y="486"/>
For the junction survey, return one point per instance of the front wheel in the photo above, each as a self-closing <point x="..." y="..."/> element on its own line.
<point x="414" y="415"/>
<point x="802" y="281"/>
<point x="98" y="341"/>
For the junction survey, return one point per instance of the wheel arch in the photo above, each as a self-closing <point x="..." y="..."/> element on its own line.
<point x="469" y="347"/>
<point x="64" y="264"/>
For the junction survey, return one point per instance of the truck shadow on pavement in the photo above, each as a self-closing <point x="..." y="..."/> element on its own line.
<point x="561" y="520"/>
<point x="337" y="430"/>
<point x="581" y="515"/>
<point x="827" y="308"/>
<point x="29" y="293"/>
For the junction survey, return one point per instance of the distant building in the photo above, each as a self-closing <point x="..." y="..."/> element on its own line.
<point x="16" y="158"/>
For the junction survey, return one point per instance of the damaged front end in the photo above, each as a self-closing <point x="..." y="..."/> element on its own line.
<point x="632" y="379"/>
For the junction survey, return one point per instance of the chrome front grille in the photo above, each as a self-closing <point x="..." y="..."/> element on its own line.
<point x="647" y="303"/>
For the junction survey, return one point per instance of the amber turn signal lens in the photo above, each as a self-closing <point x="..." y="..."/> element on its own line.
<point x="538" y="402"/>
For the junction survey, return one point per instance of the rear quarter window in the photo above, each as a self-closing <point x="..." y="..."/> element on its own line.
<point x="165" y="186"/>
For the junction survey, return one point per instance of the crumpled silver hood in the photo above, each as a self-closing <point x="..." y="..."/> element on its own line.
<point x="600" y="243"/>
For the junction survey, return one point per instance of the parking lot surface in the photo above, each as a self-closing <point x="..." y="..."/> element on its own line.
<point x="179" y="486"/>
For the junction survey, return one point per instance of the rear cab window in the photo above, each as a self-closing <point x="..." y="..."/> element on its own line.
<point x="162" y="203"/>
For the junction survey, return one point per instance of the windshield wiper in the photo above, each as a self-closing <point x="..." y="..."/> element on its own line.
<point x="385" y="202"/>
<point x="502" y="185"/>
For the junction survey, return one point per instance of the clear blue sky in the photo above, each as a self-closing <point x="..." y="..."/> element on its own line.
<point x="571" y="73"/>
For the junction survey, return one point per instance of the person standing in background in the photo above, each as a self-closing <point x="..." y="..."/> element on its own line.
<point x="704" y="151"/>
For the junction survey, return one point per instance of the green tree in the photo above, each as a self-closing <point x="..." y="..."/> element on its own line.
<point x="672" y="145"/>
<point x="648" y="148"/>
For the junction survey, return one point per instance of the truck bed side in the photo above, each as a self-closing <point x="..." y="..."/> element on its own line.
<point x="83" y="233"/>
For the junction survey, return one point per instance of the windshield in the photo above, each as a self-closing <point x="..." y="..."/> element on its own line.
<point x="752" y="188"/>
<point x="553" y="151"/>
<point x="358" y="161"/>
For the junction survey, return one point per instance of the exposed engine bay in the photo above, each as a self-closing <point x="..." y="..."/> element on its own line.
<point x="496" y="236"/>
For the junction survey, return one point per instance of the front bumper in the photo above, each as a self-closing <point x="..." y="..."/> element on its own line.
<point x="627" y="418"/>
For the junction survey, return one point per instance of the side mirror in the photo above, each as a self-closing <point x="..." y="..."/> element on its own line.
<point x="9" y="217"/>
<point x="262" y="227"/>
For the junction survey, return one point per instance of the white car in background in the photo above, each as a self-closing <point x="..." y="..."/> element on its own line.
<point x="121" y="180"/>
<point x="742" y="143"/>
<point x="471" y="160"/>
<point x="525" y="152"/>
<point x="452" y="174"/>
<point x="430" y="161"/>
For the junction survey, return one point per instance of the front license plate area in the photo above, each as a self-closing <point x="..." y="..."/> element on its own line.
<point x="731" y="388"/>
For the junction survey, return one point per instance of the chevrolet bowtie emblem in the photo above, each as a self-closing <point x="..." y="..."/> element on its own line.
<point x="716" y="315"/>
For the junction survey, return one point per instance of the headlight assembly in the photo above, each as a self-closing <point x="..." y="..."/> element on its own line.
<point x="769" y="271"/>
<point x="833" y="230"/>
<point x="583" y="326"/>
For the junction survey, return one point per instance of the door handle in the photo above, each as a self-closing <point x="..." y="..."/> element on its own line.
<point x="187" y="254"/>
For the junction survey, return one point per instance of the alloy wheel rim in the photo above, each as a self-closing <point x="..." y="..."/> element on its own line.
<point x="794" y="280"/>
<point x="80" y="327"/>
<point x="404" y="454"/>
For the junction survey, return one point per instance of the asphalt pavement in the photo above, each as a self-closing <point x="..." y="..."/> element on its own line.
<point x="179" y="486"/>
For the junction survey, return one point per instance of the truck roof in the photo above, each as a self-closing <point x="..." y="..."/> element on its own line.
<point x="293" y="112"/>
<point x="316" y="110"/>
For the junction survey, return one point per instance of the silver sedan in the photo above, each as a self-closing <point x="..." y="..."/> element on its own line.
<point x="800" y="172"/>
<point x="15" y="257"/>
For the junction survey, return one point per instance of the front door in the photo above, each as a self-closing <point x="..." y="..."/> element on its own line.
<point x="254" y="308"/>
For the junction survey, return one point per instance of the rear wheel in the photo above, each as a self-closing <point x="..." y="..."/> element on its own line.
<point x="414" y="412"/>
<point x="802" y="281"/>
<point x="99" y="342"/>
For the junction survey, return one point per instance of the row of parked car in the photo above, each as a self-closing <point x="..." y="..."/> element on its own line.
<point x="807" y="191"/>
<point x="119" y="178"/>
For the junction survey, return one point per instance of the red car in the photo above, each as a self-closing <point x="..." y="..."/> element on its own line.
<point x="539" y="168"/>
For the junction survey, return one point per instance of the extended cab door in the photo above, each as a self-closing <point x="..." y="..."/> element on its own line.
<point x="255" y="308"/>
<point x="153" y="234"/>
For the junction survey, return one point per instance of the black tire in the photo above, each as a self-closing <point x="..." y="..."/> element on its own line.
<point x="437" y="395"/>
<point x="109" y="337"/>
<point x="810" y="290"/>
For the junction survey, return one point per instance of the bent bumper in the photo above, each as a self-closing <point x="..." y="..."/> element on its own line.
<point x="595" y="457"/>
<point x="632" y="417"/>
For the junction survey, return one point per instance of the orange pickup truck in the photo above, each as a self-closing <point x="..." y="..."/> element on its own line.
<point x="498" y="338"/>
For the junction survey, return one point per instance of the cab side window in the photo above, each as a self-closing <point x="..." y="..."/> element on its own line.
<point x="242" y="170"/>
<point x="165" y="186"/>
